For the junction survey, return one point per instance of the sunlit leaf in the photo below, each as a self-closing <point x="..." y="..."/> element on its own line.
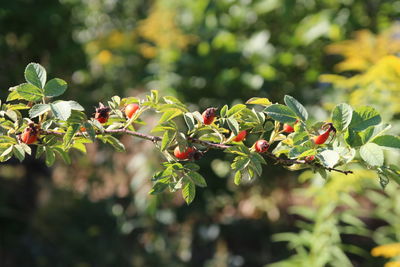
<point x="341" y="116"/>
<point x="372" y="154"/>
<point x="296" y="107"/>
<point x="281" y="113"/>
<point x="35" y="74"/>
<point x="38" y="110"/>
<point x="259" y="101"/>
<point x="387" y="141"/>
<point x="55" y="87"/>
<point x="189" y="191"/>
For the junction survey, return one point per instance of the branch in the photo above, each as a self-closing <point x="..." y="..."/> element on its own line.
<point x="153" y="138"/>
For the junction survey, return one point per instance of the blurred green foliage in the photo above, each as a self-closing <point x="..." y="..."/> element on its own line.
<point x="97" y="212"/>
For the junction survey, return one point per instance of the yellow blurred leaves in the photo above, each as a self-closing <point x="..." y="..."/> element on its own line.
<point x="387" y="251"/>
<point x="161" y="30"/>
<point x="378" y="80"/>
<point x="104" y="57"/>
<point x="366" y="49"/>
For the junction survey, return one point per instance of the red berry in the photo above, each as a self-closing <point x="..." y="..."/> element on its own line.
<point x="130" y="110"/>
<point x="321" y="139"/>
<point x="188" y="153"/>
<point x="241" y="136"/>
<point x="102" y="119"/>
<point x="102" y="113"/>
<point x="288" y="128"/>
<point x="310" y="158"/>
<point x="29" y="136"/>
<point x="209" y="116"/>
<point x="261" y="146"/>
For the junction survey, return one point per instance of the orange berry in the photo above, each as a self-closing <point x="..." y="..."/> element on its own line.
<point x="241" y="136"/>
<point x="188" y="153"/>
<point x="288" y="128"/>
<point x="29" y="136"/>
<point x="321" y="139"/>
<point x="130" y="110"/>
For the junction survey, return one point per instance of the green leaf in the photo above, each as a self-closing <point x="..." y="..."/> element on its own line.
<point x="341" y="116"/>
<point x="90" y="130"/>
<point x="240" y="163"/>
<point x="198" y="179"/>
<point x="258" y="158"/>
<point x="189" y="191"/>
<point x="233" y="125"/>
<point x="238" y="178"/>
<point x="4" y="139"/>
<point x="154" y="96"/>
<point x="69" y="135"/>
<point x="259" y="101"/>
<point x="38" y="110"/>
<point x="192" y="166"/>
<point x="329" y="158"/>
<point x="19" y="152"/>
<point x="50" y="157"/>
<point x="296" y="107"/>
<point x="353" y="138"/>
<point x="169" y="115"/>
<point x="12" y="114"/>
<point x="39" y="151"/>
<point x="238" y="150"/>
<point x="115" y="143"/>
<point x="383" y="181"/>
<point x="364" y="117"/>
<point x="190" y="122"/>
<point x="374" y="131"/>
<point x="7" y="153"/>
<point x="18" y="106"/>
<point x="75" y="106"/>
<point x="26" y="148"/>
<point x="64" y="155"/>
<point x="372" y="154"/>
<point x="159" y="187"/>
<point x="388" y="141"/>
<point x="281" y="113"/>
<point x="167" y="139"/>
<point x="29" y="92"/>
<point x="235" y="109"/>
<point x="55" y="87"/>
<point x="297" y="151"/>
<point x="61" y="110"/>
<point x="392" y="173"/>
<point x="13" y="95"/>
<point x="223" y="111"/>
<point x="35" y="74"/>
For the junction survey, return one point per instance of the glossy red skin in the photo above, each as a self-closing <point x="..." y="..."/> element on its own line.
<point x="241" y="136"/>
<point x="261" y="146"/>
<point x="321" y="139"/>
<point x="185" y="154"/>
<point x="310" y="158"/>
<point x="102" y="119"/>
<point x="130" y="110"/>
<point x="28" y="136"/>
<point x="208" y="116"/>
<point x="288" y="128"/>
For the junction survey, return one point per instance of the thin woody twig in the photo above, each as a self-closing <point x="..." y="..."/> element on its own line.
<point x="208" y="144"/>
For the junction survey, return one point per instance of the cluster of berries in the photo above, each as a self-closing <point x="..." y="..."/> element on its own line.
<point x="31" y="133"/>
